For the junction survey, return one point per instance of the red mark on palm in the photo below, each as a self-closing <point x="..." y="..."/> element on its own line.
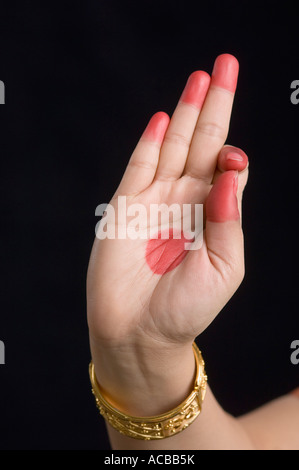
<point x="163" y="255"/>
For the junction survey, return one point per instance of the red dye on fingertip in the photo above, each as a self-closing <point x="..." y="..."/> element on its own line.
<point x="235" y="161"/>
<point x="222" y="203"/>
<point x="225" y="72"/>
<point x="163" y="255"/>
<point x="196" y="89"/>
<point x="231" y="158"/>
<point x="156" y="128"/>
<point x="236" y="183"/>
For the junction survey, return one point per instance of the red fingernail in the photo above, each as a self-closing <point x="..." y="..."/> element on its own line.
<point x="225" y="72"/>
<point x="196" y="89"/>
<point x="236" y="157"/>
<point x="233" y="160"/>
<point x="156" y="128"/>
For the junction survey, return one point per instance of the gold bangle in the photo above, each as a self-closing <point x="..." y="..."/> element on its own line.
<point x="160" y="426"/>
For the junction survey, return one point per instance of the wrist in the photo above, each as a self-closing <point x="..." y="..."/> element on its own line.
<point x="144" y="379"/>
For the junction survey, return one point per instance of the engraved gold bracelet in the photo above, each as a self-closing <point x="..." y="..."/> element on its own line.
<point x="160" y="426"/>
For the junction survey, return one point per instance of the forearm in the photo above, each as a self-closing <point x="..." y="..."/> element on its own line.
<point x="153" y="382"/>
<point x="275" y="425"/>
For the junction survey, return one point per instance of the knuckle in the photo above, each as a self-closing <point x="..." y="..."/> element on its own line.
<point x="142" y="164"/>
<point x="212" y="129"/>
<point x="177" y="139"/>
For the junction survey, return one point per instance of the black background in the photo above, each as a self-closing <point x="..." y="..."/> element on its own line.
<point x="82" y="79"/>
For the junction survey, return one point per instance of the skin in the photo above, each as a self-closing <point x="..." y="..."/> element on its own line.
<point x="143" y="319"/>
<point x="163" y="255"/>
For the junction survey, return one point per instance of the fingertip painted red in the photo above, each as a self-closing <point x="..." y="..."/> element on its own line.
<point x="222" y="203"/>
<point x="196" y="89"/>
<point x="156" y="128"/>
<point x="225" y="72"/>
<point x="235" y="161"/>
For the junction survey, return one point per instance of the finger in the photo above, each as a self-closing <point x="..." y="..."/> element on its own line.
<point x="213" y="123"/>
<point x="224" y="236"/>
<point x="179" y="134"/>
<point x="143" y="163"/>
<point x="233" y="158"/>
<point x="223" y="247"/>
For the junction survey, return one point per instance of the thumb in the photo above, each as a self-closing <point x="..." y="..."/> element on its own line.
<point x="233" y="158"/>
<point x="224" y="236"/>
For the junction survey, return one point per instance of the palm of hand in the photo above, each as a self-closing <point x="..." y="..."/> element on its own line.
<point x="125" y="296"/>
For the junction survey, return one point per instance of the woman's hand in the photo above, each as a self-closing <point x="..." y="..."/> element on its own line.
<point x="148" y="299"/>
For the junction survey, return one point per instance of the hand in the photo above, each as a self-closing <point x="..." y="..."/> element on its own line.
<point x="148" y="299"/>
<point x="126" y="295"/>
<point x="139" y="303"/>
